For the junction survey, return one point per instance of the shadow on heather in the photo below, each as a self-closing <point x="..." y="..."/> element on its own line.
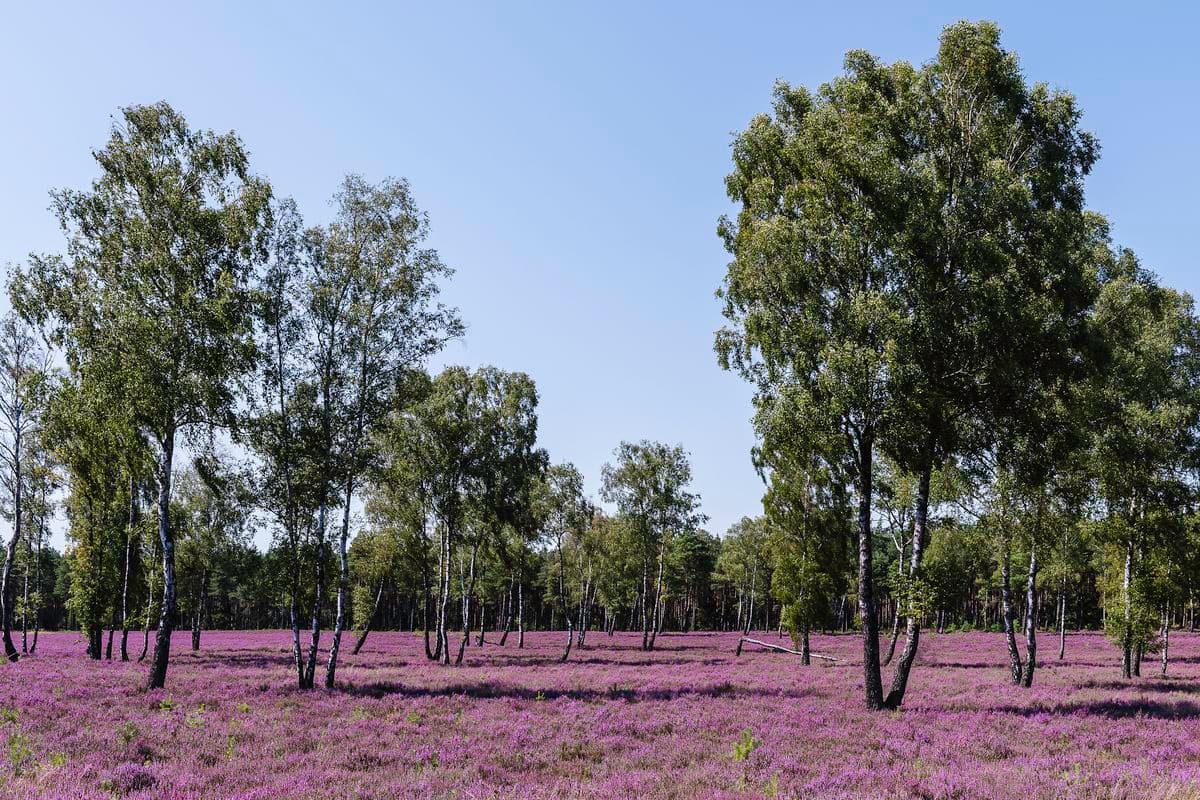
<point x="492" y="691"/>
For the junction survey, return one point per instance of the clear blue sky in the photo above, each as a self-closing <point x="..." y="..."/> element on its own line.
<point x="571" y="157"/>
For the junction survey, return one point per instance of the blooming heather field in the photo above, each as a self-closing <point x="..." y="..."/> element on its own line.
<point x="612" y="723"/>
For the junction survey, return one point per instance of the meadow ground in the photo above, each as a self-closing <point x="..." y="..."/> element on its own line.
<point x="689" y="720"/>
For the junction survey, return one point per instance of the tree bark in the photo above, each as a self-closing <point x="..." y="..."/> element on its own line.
<point x="146" y="627"/>
<point x="10" y="555"/>
<point x="508" y="615"/>
<point x="872" y="682"/>
<point x="895" y="637"/>
<point x="645" y="593"/>
<point x="294" y="615"/>
<point x="1030" y="620"/>
<point x="166" y="619"/>
<point x="198" y="611"/>
<point x="362" y="637"/>
<point x="1166" y="636"/>
<point x="913" y="632"/>
<point x="443" y="643"/>
<point x="427" y="607"/>
<point x="343" y="589"/>
<point x="520" y="616"/>
<point x="125" y="578"/>
<point x="25" y="602"/>
<point x="1062" y="621"/>
<point x="469" y="590"/>
<point x="1127" y="632"/>
<point x="1014" y="655"/>
<point x="310" y="665"/>
<point x="37" y="573"/>
<point x="753" y="593"/>
<point x="482" y="621"/>
<point x="658" y="586"/>
<point x="585" y="611"/>
<point x="562" y="599"/>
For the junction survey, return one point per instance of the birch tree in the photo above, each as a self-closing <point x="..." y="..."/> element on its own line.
<point x="154" y="293"/>
<point x="568" y="512"/>
<point x="24" y="372"/>
<point x="648" y="483"/>
<point x="906" y="261"/>
<point x="1146" y="436"/>
<point x="376" y="314"/>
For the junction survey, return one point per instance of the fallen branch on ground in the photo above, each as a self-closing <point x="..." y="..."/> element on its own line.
<point x="780" y="648"/>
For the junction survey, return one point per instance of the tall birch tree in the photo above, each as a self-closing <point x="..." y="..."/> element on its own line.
<point x="154" y="293"/>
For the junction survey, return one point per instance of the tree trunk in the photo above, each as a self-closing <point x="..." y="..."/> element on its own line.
<point x="146" y="627"/>
<point x="426" y="608"/>
<point x="1030" y="620"/>
<point x="913" y="631"/>
<point x="585" y="611"/>
<point x="470" y="589"/>
<point x="37" y="572"/>
<point x="166" y="619"/>
<point x="25" y="602"/>
<point x="508" y="615"/>
<point x="443" y="642"/>
<point x="750" y="608"/>
<point x="1014" y="655"/>
<point x="125" y="577"/>
<point x="482" y="621"/>
<point x="1062" y="621"/>
<point x="658" y="586"/>
<point x="520" y="616"/>
<point x="310" y="665"/>
<point x="645" y="594"/>
<point x="1127" y="632"/>
<point x="198" y="611"/>
<point x="343" y="590"/>
<point x="1166" y="636"/>
<point x="562" y="600"/>
<point x="10" y="555"/>
<point x="362" y="637"/>
<point x="570" y="637"/>
<point x="872" y="682"/>
<point x="895" y="637"/>
<point x="294" y="612"/>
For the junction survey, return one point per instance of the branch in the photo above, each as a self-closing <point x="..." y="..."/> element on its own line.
<point x="780" y="648"/>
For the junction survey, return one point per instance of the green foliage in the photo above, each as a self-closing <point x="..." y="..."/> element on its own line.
<point x="195" y="718"/>
<point x="20" y="752"/>
<point x="648" y="484"/>
<point x="744" y="746"/>
<point x="127" y="732"/>
<point x="152" y="307"/>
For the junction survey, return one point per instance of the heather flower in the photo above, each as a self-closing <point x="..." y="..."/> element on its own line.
<point x="689" y="720"/>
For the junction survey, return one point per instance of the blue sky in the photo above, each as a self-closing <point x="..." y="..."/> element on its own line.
<point x="571" y="158"/>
